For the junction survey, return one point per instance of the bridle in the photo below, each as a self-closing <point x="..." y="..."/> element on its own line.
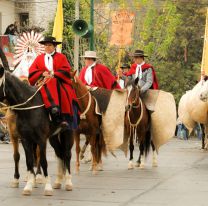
<point x="83" y="114"/>
<point x="133" y="126"/>
<point x="134" y="101"/>
<point x="19" y="106"/>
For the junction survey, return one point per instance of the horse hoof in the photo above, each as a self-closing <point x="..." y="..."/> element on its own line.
<point x="94" y="172"/>
<point x="100" y="168"/>
<point x="68" y="187"/>
<point x="141" y="166"/>
<point x="154" y="164"/>
<point x="130" y="165"/>
<point x="14" y="183"/>
<point x="48" y="192"/>
<point x="39" y="179"/>
<point x="27" y="192"/>
<point x="57" y="186"/>
<point x="76" y="172"/>
<point x="137" y="164"/>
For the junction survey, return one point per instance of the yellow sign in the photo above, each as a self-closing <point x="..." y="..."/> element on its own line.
<point x="204" y="64"/>
<point x="122" y="27"/>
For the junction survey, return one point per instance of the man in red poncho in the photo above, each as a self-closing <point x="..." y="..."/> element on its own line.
<point x="57" y="93"/>
<point x="145" y="72"/>
<point x="95" y="74"/>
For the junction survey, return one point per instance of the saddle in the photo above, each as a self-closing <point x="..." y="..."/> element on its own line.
<point x="102" y="97"/>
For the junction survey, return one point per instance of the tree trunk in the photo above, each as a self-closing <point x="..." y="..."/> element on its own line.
<point x="4" y="60"/>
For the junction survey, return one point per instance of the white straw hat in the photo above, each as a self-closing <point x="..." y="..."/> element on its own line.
<point x="90" y="54"/>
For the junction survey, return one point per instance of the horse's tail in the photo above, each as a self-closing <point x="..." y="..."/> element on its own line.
<point x="148" y="138"/>
<point x="147" y="143"/>
<point x="100" y="147"/>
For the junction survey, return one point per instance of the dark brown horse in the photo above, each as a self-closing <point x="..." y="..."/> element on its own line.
<point x="34" y="127"/>
<point x="137" y="124"/>
<point x="89" y="124"/>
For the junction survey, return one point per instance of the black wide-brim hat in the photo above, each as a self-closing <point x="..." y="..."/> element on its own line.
<point x="50" y="39"/>
<point x="125" y="66"/>
<point x="139" y="53"/>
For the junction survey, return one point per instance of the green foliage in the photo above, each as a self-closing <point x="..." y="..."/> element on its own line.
<point x="168" y="31"/>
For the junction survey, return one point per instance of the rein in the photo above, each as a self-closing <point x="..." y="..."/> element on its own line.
<point x="133" y="126"/>
<point x="83" y="114"/>
<point x="16" y="106"/>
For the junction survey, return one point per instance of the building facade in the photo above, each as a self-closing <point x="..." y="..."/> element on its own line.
<point x="27" y="13"/>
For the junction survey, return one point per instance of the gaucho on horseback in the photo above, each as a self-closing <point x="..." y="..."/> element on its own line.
<point x="145" y="72"/>
<point x="59" y="98"/>
<point x="95" y="74"/>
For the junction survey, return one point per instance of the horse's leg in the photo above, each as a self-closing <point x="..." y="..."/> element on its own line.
<point x="87" y="155"/>
<point x="203" y="136"/>
<point x="131" y="149"/>
<point x="39" y="177"/>
<point x="55" y="143"/>
<point x="16" y="156"/>
<point x="29" y="162"/>
<point x="154" y="155"/>
<point x="67" y="142"/>
<point x="102" y="151"/>
<point x="77" y="142"/>
<point x="206" y="137"/>
<point x="140" y="161"/>
<point x="93" y="151"/>
<point x="48" y="191"/>
<point x="84" y="148"/>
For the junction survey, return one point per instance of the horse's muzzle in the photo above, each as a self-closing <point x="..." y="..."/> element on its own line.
<point x="203" y="98"/>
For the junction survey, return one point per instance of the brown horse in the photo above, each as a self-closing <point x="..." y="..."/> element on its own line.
<point x="10" y="118"/>
<point x="137" y="124"/>
<point x="89" y="124"/>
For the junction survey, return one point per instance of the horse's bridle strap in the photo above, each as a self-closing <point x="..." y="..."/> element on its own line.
<point x="83" y="114"/>
<point x="140" y="117"/>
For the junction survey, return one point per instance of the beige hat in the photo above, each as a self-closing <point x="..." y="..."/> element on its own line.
<point x="90" y="54"/>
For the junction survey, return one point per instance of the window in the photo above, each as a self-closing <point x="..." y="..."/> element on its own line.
<point x="24" y="20"/>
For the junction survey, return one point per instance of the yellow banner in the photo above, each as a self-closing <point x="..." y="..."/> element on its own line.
<point x="204" y="64"/>
<point x="58" y="23"/>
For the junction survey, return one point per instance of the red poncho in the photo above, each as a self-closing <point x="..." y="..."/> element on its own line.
<point x="144" y="67"/>
<point x="101" y="77"/>
<point x="58" y="91"/>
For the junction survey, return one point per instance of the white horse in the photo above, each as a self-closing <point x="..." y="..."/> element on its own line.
<point x="192" y="109"/>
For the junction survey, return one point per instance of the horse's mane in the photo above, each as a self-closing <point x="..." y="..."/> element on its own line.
<point x="78" y="80"/>
<point x="20" y="89"/>
<point x="18" y="82"/>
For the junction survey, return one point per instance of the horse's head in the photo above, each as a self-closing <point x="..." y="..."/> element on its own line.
<point x="133" y="91"/>
<point x="79" y="87"/>
<point x="204" y="91"/>
<point x="75" y="80"/>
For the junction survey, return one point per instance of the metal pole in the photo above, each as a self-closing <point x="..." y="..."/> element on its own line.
<point x="92" y="25"/>
<point x="76" y="40"/>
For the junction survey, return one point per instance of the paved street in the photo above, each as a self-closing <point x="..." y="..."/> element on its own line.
<point x="180" y="179"/>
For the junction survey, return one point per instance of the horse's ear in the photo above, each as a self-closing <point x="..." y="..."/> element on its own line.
<point x="1" y="71"/>
<point x="136" y="81"/>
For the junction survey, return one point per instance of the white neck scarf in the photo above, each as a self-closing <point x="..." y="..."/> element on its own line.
<point x="49" y="61"/>
<point x="88" y="73"/>
<point x="139" y="70"/>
